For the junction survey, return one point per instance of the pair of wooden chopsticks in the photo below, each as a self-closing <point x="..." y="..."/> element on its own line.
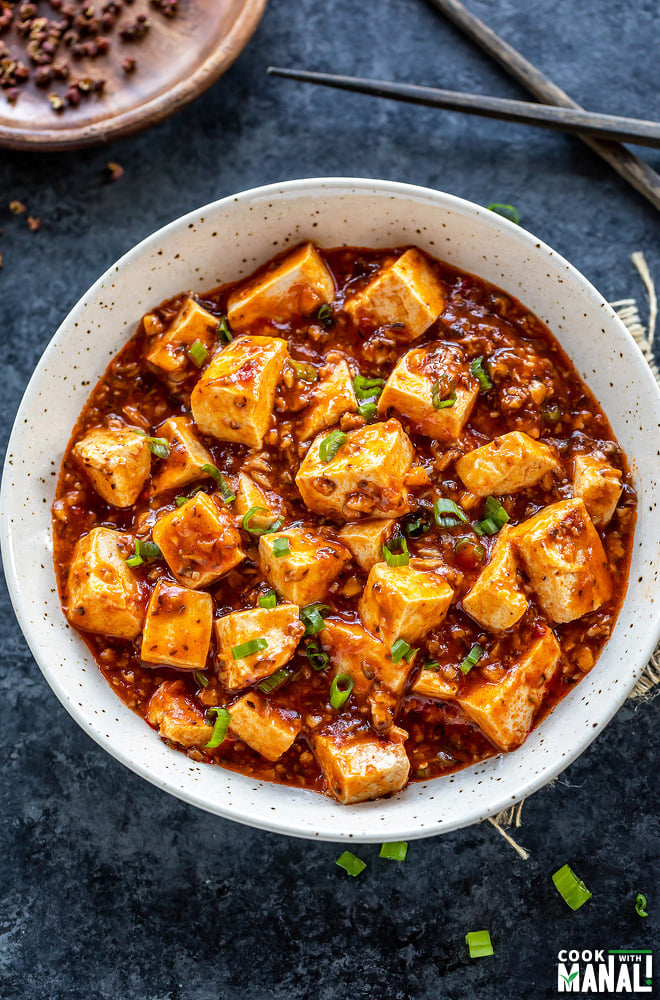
<point x="602" y="133"/>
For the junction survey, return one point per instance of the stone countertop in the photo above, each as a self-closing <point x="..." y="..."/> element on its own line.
<point x="113" y="890"/>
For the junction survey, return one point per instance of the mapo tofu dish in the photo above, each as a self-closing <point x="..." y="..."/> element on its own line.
<point x="352" y="522"/>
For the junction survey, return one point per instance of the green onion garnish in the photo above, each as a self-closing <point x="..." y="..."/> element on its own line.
<point x="467" y="547"/>
<point x="640" y="905"/>
<point x="324" y="315"/>
<point x="550" y="414"/>
<point x="268" y="600"/>
<point x="367" y="410"/>
<point x="201" y="678"/>
<point x="160" y="447"/>
<point x="198" y="353"/>
<point x="331" y="445"/>
<point x="448" y="514"/>
<point x="401" y="651"/>
<point x="350" y="863"/>
<point x="220" y="727"/>
<point x="495" y="517"/>
<point x="281" y="547"/>
<point x="248" y="648"/>
<point x="367" y="388"/>
<point x="224" y="488"/>
<point x="312" y="617"/>
<point x="275" y="681"/>
<point x="509" y="212"/>
<point x="304" y="372"/>
<point x="318" y="660"/>
<point x="143" y="552"/>
<point x="340" y="690"/>
<point x="574" y="892"/>
<point x="179" y="501"/>
<point x="480" y="373"/>
<point x="479" y="944"/>
<point x="417" y="524"/>
<point x="224" y="331"/>
<point x="431" y="665"/>
<point x="394" y="852"/>
<point x="273" y="526"/>
<point x="443" y="393"/>
<point x="401" y="558"/>
<point x="472" y="658"/>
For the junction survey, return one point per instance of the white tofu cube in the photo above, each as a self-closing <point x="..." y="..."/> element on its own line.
<point x="496" y="600"/>
<point x="117" y="461"/>
<point x="359" y="766"/>
<point x="295" y="286"/>
<point x="102" y="592"/>
<point x="200" y="541"/>
<point x="366" y="538"/>
<point x="280" y="627"/>
<point x="599" y="484"/>
<point x="177" y="629"/>
<point x="504" y="710"/>
<point x="435" y="370"/>
<point x="304" y="573"/>
<point x="366" y="476"/>
<point x="509" y="463"/>
<point x="186" y="459"/>
<point x="406" y="296"/>
<point x="564" y="559"/>
<point x="378" y="682"/>
<point x="249" y="495"/>
<point x="168" y="351"/>
<point x="269" y="730"/>
<point x="404" y="602"/>
<point x="177" y="717"/>
<point x="233" y="399"/>
<point x="331" y="398"/>
<point x="433" y="684"/>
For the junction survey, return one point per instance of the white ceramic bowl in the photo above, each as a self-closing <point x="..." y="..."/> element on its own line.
<point x="225" y="241"/>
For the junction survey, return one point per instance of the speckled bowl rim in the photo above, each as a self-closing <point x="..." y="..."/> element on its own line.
<point x="262" y="804"/>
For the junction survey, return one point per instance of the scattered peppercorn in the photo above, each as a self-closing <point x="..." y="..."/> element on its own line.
<point x="16" y="207"/>
<point x="34" y="223"/>
<point x="115" y="170"/>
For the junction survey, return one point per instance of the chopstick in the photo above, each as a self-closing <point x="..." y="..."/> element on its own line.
<point x="638" y="173"/>
<point x="645" y="133"/>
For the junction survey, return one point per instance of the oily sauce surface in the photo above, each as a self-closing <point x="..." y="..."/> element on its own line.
<point x="536" y="389"/>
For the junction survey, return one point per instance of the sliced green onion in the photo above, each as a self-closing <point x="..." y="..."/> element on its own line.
<point x="330" y="446"/>
<point x="340" y="690"/>
<point x="273" y="526"/>
<point x="318" y="660"/>
<point x="275" y="681"/>
<point x="640" y="905"/>
<point x="401" y="558"/>
<point x="198" y="353"/>
<point x="395" y="851"/>
<point x="224" y="331"/>
<point x="350" y="863"/>
<point x="573" y="891"/>
<point x="367" y="410"/>
<point x="495" y="517"/>
<point x="324" y="315"/>
<point x="224" y="488"/>
<point x="367" y="388"/>
<point x="431" y="665"/>
<point x="509" y="212"/>
<point x="143" y="552"/>
<point x="160" y="447"/>
<point x="248" y="648"/>
<point x="201" y="678"/>
<point x="220" y="727"/>
<point x="401" y="651"/>
<point x="479" y="944"/>
<point x="443" y="393"/>
<point x="281" y="547"/>
<point x="304" y="372"/>
<point x="268" y="600"/>
<point x="447" y="513"/>
<point x="473" y="550"/>
<point x="417" y="524"/>
<point x="480" y="373"/>
<point x="312" y="617"/>
<point x="550" y="414"/>
<point x="472" y="658"/>
<point x="179" y="501"/>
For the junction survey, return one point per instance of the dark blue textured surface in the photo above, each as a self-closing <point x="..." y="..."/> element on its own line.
<point x="112" y="890"/>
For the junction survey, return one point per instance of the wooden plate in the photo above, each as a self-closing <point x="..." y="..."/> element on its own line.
<point x="176" y="62"/>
